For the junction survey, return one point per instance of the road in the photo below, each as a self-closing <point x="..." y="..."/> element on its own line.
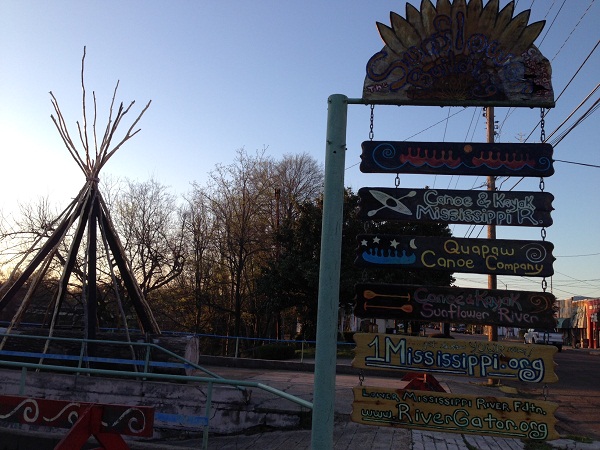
<point x="577" y="392"/>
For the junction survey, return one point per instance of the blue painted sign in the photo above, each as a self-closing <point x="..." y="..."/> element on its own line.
<point x="455" y="158"/>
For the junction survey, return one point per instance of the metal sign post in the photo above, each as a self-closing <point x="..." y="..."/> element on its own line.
<point x="329" y="274"/>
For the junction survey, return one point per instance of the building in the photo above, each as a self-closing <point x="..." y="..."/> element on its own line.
<point x="578" y="320"/>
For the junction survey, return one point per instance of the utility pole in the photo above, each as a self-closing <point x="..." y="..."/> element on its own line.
<point x="491" y="231"/>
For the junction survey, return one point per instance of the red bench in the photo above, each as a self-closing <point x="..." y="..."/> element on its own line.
<point x="107" y="423"/>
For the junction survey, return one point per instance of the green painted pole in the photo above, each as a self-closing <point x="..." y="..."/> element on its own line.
<point x="329" y="274"/>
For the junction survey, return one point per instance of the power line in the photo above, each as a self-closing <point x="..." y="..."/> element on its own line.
<point x="567" y="85"/>
<point x="422" y="131"/>
<point x="549" y="9"/>
<point x="576" y="256"/>
<point x="553" y="20"/>
<point x="578" y="70"/>
<point x="585" y="115"/>
<point x="573" y="30"/>
<point x="595" y="166"/>
<point x="574" y="111"/>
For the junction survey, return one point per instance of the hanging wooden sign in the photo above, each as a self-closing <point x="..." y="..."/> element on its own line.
<point x="459" y="54"/>
<point x="530" y="209"/>
<point x="505" y="308"/>
<point x="455" y="413"/>
<point x="455" y="158"/>
<point x="475" y="359"/>
<point x="486" y="256"/>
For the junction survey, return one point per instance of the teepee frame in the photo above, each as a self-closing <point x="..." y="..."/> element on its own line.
<point x="87" y="211"/>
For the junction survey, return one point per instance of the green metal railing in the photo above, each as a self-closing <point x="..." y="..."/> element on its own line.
<point x="146" y="364"/>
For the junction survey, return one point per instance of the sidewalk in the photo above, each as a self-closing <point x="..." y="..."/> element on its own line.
<point x="347" y="434"/>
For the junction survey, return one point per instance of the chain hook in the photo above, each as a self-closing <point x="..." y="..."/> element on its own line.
<point x="361" y="377"/>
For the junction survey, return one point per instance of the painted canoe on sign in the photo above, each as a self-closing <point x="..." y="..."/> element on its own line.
<point x="455" y="413"/>
<point x="486" y="256"/>
<point x="519" y="309"/>
<point x="470" y="358"/>
<point x="457" y="158"/>
<point x="526" y="209"/>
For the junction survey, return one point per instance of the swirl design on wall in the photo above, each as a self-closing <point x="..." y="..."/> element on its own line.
<point x="72" y="416"/>
<point x="31" y="410"/>
<point x="136" y="420"/>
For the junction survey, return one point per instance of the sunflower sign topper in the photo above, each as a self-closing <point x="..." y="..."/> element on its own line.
<point x="462" y="54"/>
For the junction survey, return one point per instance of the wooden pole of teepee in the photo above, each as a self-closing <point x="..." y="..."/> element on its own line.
<point x="49" y="247"/>
<point x="91" y="214"/>
<point x="92" y="301"/>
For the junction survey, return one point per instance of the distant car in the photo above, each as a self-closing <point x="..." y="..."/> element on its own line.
<point x="539" y="336"/>
<point x="461" y="329"/>
<point x="453" y="329"/>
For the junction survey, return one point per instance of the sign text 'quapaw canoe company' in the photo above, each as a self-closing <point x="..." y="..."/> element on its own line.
<point x="528" y="209"/>
<point x="507" y="360"/>
<point x="455" y="158"/>
<point x="455" y="413"/>
<point x="486" y="256"/>
<point x="455" y="304"/>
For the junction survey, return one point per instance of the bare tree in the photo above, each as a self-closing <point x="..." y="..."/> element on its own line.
<point x="198" y="277"/>
<point x="146" y="219"/>
<point x="300" y="179"/>
<point x="239" y="204"/>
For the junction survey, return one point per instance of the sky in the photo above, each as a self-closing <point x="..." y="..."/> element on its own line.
<point x="225" y="75"/>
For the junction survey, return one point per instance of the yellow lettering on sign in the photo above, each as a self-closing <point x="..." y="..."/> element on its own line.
<point x="455" y="413"/>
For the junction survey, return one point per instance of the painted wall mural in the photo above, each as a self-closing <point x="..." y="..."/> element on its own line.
<point x="121" y="419"/>
<point x="460" y="54"/>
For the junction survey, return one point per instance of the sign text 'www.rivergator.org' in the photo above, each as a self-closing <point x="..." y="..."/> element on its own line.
<point x="455" y="413"/>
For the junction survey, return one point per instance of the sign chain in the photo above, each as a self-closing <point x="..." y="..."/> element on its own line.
<point x="361" y="377"/>
<point x="542" y="187"/>
<point x="371" y="134"/>
<point x="542" y="125"/>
